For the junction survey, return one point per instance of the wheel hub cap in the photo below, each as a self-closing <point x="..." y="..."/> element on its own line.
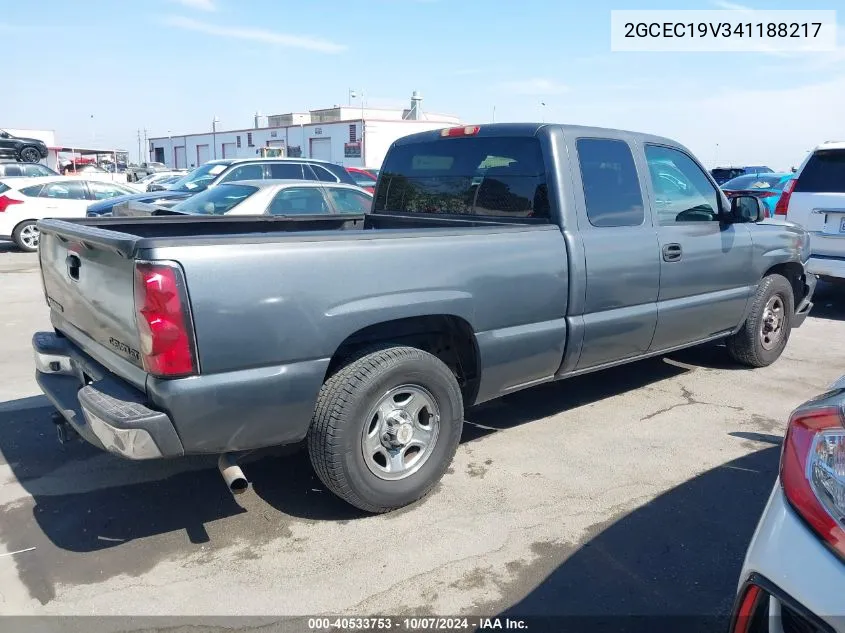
<point x="772" y="326"/>
<point x="401" y="432"/>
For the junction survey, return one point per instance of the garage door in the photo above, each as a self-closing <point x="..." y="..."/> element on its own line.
<point x="203" y="155"/>
<point x="229" y="150"/>
<point x="181" y="158"/>
<point x="321" y="148"/>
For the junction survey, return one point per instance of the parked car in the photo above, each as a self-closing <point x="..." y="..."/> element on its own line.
<point x="165" y="182"/>
<point x="277" y="197"/>
<point x="793" y="578"/>
<point x="25" y="170"/>
<point x="723" y="174"/>
<point x="228" y="169"/>
<point x="766" y="187"/>
<point x="815" y="199"/>
<point x="363" y="178"/>
<point x="24" y="201"/>
<point x="162" y="199"/>
<point x="25" y="150"/>
<point x="368" y="334"/>
<point x="136" y="172"/>
<point x="216" y="172"/>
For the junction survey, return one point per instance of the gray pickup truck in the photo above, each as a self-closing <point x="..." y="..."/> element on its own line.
<point x="496" y="257"/>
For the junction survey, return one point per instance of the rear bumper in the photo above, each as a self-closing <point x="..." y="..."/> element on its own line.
<point x="107" y="412"/>
<point x="826" y="266"/>
<point x="806" y="304"/>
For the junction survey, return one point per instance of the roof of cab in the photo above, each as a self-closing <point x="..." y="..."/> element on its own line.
<point x="535" y="129"/>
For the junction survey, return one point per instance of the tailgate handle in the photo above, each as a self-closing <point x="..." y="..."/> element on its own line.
<point x="73" y="263"/>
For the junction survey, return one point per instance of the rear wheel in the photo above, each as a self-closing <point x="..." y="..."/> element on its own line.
<point x="764" y="335"/>
<point x="386" y="427"/>
<point x="26" y="236"/>
<point x="30" y="155"/>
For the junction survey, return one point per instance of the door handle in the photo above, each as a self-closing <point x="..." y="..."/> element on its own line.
<point x="672" y="253"/>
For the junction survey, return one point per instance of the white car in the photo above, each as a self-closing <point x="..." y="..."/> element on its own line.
<point x="815" y="199"/>
<point x="277" y="197"/>
<point x="24" y="201"/>
<point x="793" y="579"/>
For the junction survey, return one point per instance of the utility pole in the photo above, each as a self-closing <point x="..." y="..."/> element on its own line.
<point x="214" y="123"/>
<point x="139" y="147"/>
<point x="146" y="147"/>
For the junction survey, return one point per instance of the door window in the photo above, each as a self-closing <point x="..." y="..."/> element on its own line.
<point x="104" y="190"/>
<point x="320" y="173"/>
<point x="611" y="187"/>
<point x="65" y="190"/>
<point x="253" y="171"/>
<point x="285" y="171"/>
<point x="350" y="201"/>
<point x="298" y="201"/>
<point x="682" y="191"/>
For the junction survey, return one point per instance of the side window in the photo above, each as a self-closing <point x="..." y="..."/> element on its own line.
<point x="32" y="191"/>
<point x="286" y="171"/>
<point x="682" y="192"/>
<point x="34" y="171"/>
<point x="250" y="171"/>
<point x="298" y="201"/>
<point x="65" y="190"/>
<point x="14" y="170"/>
<point x="103" y="190"/>
<point x="350" y="201"/>
<point x="322" y="174"/>
<point x="611" y="188"/>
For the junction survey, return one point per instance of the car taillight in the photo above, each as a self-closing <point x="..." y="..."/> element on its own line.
<point x="6" y="202"/>
<point x="164" y="323"/>
<point x="766" y="194"/>
<point x="813" y="472"/>
<point x="783" y="204"/>
<point x="469" y="130"/>
<point x="747" y="609"/>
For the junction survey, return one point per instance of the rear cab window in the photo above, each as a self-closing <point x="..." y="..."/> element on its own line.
<point x="823" y="173"/>
<point x="488" y="176"/>
<point x="611" y="185"/>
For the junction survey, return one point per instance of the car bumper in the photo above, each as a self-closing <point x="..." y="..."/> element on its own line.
<point x="107" y="412"/>
<point x="796" y="575"/>
<point x="806" y="304"/>
<point x="826" y="266"/>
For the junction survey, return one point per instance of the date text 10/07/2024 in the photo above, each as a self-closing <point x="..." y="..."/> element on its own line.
<point x="409" y="624"/>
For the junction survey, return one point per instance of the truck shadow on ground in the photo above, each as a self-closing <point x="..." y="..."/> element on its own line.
<point x="139" y="513"/>
<point x="674" y="563"/>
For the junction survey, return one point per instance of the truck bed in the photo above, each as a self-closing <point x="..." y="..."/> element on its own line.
<point x="129" y="235"/>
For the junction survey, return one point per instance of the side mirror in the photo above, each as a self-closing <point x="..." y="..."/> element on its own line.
<point x="747" y="209"/>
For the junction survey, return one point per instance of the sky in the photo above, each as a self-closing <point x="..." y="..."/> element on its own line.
<point x="97" y="71"/>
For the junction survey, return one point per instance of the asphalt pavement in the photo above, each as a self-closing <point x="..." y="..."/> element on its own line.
<point x="630" y="491"/>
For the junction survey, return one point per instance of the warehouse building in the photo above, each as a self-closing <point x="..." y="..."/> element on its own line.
<point x="347" y="135"/>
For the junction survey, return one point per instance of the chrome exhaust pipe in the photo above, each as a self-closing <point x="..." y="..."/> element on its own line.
<point x="232" y="474"/>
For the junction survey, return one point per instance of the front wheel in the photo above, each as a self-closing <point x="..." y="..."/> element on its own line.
<point x="26" y="236"/>
<point x="30" y="155"/>
<point x="764" y="335"/>
<point x="386" y="427"/>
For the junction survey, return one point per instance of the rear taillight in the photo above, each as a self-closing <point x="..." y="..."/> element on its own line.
<point x="766" y="194"/>
<point x="163" y="318"/>
<point x="6" y="202"/>
<point x="813" y="472"/>
<point x="783" y="203"/>
<point x="469" y="130"/>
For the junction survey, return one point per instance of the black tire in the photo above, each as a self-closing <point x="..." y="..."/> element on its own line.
<point x="343" y="406"/>
<point x="30" y="154"/>
<point x="21" y="239"/>
<point x="747" y="346"/>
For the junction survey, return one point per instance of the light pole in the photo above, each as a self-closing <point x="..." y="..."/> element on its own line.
<point x="214" y="123"/>
<point x="170" y="138"/>
<point x="352" y="95"/>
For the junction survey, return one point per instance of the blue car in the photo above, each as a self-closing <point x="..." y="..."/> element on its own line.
<point x="767" y="187"/>
<point x="723" y="174"/>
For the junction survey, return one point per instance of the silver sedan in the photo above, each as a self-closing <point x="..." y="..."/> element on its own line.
<point x="277" y="197"/>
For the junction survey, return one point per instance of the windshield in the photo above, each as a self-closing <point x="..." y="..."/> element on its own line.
<point x="215" y="201"/>
<point x="753" y="182"/>
<point x="200" y="178"/>
<point x="488" y="176"/>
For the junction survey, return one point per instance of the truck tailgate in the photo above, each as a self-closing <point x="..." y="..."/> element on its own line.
<point x="90" y="290"/>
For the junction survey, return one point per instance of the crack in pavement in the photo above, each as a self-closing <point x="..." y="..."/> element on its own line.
<point x="689" y="400"/>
